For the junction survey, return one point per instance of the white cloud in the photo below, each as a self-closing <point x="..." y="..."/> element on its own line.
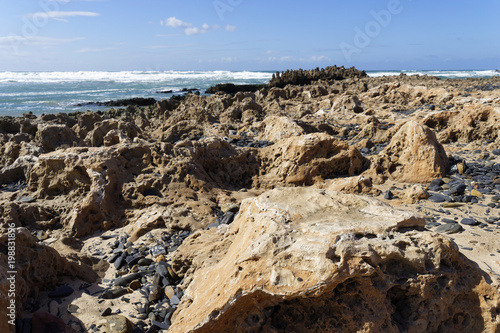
<point x="230" y="28"/>
<point x="59" y="15"/>
<point x="190" y="29"/>
<point x="174" y="22"/>
<point x="194" y="31"/>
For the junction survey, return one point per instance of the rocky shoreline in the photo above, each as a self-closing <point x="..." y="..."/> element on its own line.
<point x="329" y="201"/>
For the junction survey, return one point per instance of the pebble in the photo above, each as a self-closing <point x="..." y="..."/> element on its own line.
<point x="452" y="204"/>
<point x="106" y="312"/>
<point x="449" y="228"/>
<point x="127" y="279"/>
<point x="469" y="221"/>
<point x="495" y="152"/>
<point x="458" y="189"/>
<point x="72" y="308"/>
<point x="476" y="193"/>
<point x="388" y="195"/>
<point x="118" y="324"/>
<point x="438" y="198"/>
<point x="169" y="292"/>
<point x="115" y="293"/>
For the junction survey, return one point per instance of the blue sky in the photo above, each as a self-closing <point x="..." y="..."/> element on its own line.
<point x="69" y="35"/>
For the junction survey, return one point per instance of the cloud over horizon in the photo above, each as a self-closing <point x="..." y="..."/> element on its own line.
<point x="59" y="15"/>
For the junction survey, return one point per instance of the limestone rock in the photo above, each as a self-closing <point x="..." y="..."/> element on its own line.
<point x="414" y="155"/>
<point x="351" y="185"/>
<point x="275" y="128"/>
<point x="52" y="136"/>
<point x="306" y="260"/>
<point x="305" y="159"/>
<point x="118" y="324"/>
<point x="473" y="123"/>
<point x="38" y="267"/>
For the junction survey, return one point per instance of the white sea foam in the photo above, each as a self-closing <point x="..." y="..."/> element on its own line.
<point x="442" y="74"/>
<point x="129" y="76"/>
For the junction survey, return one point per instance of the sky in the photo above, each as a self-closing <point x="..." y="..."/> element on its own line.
<point x="156" y="35"/>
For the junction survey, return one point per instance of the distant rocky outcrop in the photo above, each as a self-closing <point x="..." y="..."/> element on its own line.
<point x="136" y="101"/>
<point x="230" y="88"/>
<point x="304" y="77"/>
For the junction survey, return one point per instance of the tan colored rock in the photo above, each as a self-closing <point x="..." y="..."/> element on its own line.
<point x="306" y="159"/>
<point x="306" y="260"/>
<point x="351" y="185"/>
<point x="52" y="136"/>
<point x="414" y="155"/>
<point x="413" y="194"/>
<point x="38" y="268"/>
<point x="474" y="122"/>
<point x="276" y="128"/>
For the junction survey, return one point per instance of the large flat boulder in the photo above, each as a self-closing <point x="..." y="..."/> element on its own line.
<point x="308" y="260"/>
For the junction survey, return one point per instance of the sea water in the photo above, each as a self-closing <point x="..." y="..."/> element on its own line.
<point x="53" y="92"/>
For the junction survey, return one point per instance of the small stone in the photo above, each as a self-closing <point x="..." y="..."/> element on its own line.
<point x="495" y="152"/>
<point x="161" y="257"/>
<point x="134" y="285"/>
<point x="41" y="235"/>
<point x="388" y="195"/>
<point x="127" y="279"/>
<point x="61" y="292"/>
<point x="460" y="168"/>
<point x="458" y="189"/>
<point x="53" y="307"/>
<point x="155" y="293"/>
<point x="157" y="250"/>
<point x="476" y="193"/>
<point x="162" y="268"/>
<point x="438" y="198"/>
<point x="174" y="300"/>
<point x="115" y="293"/>
<point x="118" y="324"/>
<point x="169" y="291"/>
<point x="106" y="312"/>
<point x="449" y="228"/>
<point x="468" y="221"/>
<point x="452" y="204"/>
<point x="145" y="262"/>
<point x="72" y="308"/>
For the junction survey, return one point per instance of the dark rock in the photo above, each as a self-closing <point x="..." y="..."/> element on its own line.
<point x="449" y="228"/>
<point x="230" y="88"/>
<point x="469" y="221"/>
<point x="106" y="312"/>
<point x="438" y="198"/>
<point x="388" y="195"/>
<point x="137" y="101"/>
<point x="162" y="268"/>
<point x="457" y="189"/>
<point x="61" y="292"/>
<point x="304" y="77"/>
<point x="125" y="280"/>
<point x="114" y="293"/>
<point x="495" y="152"/>
<point x="437" y="182"/>
<point x="118" y="324"/>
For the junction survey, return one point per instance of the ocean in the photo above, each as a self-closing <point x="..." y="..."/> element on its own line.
<point x="54" y="92"/>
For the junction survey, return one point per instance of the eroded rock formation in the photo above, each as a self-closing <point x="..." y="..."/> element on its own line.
<point x="337" y="262"/>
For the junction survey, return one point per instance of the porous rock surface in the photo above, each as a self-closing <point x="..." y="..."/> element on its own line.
<point x="307" y="260"/>
<point x="177" y="165"/>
